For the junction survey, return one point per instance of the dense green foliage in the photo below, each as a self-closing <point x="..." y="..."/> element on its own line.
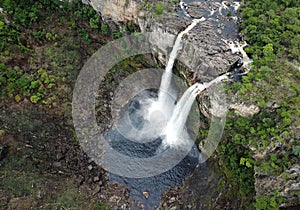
<point x="16" y="81"/>
<point x="272" y="30"/>
<point x="20" y="17"/>
<point x="38" y="51"/>
<point x="43" y="42"/>
<point x="43" y="45"/>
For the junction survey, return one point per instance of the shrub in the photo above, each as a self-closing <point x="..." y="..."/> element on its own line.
<point x="159" y="8"/>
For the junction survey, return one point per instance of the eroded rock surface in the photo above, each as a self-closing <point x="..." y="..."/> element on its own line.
<point x="245" y="109"/>
<point x="286" y="184"/>
<point x="117" y="10"/>
<point x="204" y="52"/>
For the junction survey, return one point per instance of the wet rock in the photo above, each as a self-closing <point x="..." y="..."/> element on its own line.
<point x="203" y="43"/>
<point x="96" y="190"/>
<point x="114" y="199"/>
<point x="56" y="164"/>
<point x="124" y="206"/>
<point x="173" y="199"/>
<point x="102" y="197"/>
<point x="245" y="109"/>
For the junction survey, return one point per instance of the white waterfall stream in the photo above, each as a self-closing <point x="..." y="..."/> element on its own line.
<point x="163" y="96"/>
<point x="174" y="130"/>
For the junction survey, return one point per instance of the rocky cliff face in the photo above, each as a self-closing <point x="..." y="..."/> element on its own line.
<point x="205" y="55"/>
<point x="117" y="10"/>
<point x="204" y="52"/>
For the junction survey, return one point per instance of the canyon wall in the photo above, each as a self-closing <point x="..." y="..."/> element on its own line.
<point x="204" y="52"/>
<point x="204" y="56"/>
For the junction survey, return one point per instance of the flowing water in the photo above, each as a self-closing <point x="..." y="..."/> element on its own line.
<point x="164" y="90"/>
<point x="159" y="116"/>
<point x="156" y="116"/>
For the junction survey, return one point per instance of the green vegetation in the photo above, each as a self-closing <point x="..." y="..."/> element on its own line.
<point x="43" y="45"/>
<point x="271" y="28"/>
<point x="159" y="8"/>
<point x="18" y="84"/>
<point x="237" y="161"/>
<point x="40" y="55"/>
<point x="101" y="206"/>
<point x="265" y="202"/>
<point x="104" y="29"/>
<point x="296" y="150"/>
<point x="20" y="183"/>
<point x="39" y="49"/>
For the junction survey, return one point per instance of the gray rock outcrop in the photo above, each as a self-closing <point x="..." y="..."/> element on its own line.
<point x="204" y="53"/>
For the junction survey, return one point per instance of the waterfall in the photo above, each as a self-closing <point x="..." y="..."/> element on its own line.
<point x="175" y="115"/>
<point x="175" y="126"/>
<point x="174" y="132"/>
<point x="166" y="102"/>
<point x="164" y="90"/>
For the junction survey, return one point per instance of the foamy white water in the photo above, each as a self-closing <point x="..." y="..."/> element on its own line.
<point x="173" y="132"/>
<point x="183" y="8"/>
<point x="164" y="98"/>
<point x="236" y="47"/>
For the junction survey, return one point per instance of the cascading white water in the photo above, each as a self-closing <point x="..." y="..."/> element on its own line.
<point x="163" y="96"/>
<point x="175" y="126"/>
<point x="174" y="132"/>
<point x="175" y="115"/>
<point x="152" y="133"/>
<point x="165" y="104"/>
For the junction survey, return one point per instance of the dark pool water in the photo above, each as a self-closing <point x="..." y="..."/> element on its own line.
<point x="156" y="185"/>
<point x="153" y="185"/>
